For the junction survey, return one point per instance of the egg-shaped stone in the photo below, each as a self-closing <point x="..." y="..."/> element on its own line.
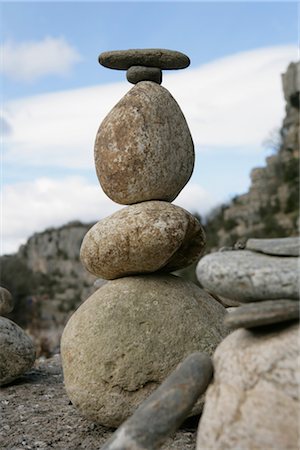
<point x="142" y="238"/>
<point x="144" y="149"/>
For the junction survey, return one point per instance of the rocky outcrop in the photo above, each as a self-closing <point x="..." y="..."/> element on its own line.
<point x="271" y="207"/>
<point x="47" y="282"/>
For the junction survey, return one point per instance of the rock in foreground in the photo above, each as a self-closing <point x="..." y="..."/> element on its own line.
<point x="36" y="413"/>
<point x="247" y="276"/>
<point x="17" y="353"/>
<point x="142" y="238"/>
<point x="254" y="399"/>
<point x="128" y="336"/>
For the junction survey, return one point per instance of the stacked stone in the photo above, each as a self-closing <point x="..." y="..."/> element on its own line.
<point x="17" y="353"/>
<point x="256" y="368"/>
<point x="131" y="333"/>
<point x="264" y="275"/>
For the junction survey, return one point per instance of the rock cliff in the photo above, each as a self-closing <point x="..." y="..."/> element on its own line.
<point x="271" y="207"/>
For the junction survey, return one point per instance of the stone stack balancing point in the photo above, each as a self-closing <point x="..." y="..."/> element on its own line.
<point x="124" y="340"/>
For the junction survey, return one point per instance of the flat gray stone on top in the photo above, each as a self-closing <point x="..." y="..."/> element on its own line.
<point x="248" y="276"/>
<point x="149" y="57"/>
<point x="135" y="74"/>
<point x="262" y="313"/>
<point x="289" y="246"/>
<point x="6" y="301"/>
<point x="166" y="408"/>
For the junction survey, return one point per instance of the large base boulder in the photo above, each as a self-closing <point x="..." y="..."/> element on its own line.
<point x="128" y="336"/>
<point x="253" y="402"/>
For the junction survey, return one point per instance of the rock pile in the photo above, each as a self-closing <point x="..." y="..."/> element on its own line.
<point x="17" y="353"/>
<point x="256" y="368"/>
<point x="132" y="332"/>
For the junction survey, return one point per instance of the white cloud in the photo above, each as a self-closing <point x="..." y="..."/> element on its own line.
<point x="28" y="61"/>
<point x="231" y="102"/>
<point x="33" y="206"/>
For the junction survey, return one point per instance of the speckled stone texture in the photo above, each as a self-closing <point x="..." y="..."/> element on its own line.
<point x="135" y="74"/>
<point x="144" y="149"/>
<point x="150" y="57"/>
<point x="142" y="238"/>
<point x="166" y="408"/>
<point x="248" y="276"/>
<point x="6" y="301"/>
<point x="17" y="353"/>
<point x="289" y="246"/>
<point x="128" y="336"/>
<point x="253" y="402"/>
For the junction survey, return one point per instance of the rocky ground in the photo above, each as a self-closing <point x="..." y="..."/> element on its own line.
<point x="36" y="414"/>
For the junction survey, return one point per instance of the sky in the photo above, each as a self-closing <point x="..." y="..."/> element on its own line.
<point x="54" y="95"/>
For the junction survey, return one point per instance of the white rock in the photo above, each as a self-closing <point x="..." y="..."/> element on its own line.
<point x="253" y="402"/>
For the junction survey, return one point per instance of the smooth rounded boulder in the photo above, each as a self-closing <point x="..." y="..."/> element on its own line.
<point x="144" y="149"/>
<point x="17" y="352"/>
<point x="127" y="338"/>
<point x="142" y="238"/>
<point x="6" y="301"/>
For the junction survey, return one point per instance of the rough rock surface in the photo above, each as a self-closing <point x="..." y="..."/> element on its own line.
<point x="254" y="399"/>
<point x="6" y="301"/>
<point x="166" y="408"/>
<point x="247" y="276"/>
<point x="144" y="149"/>
<point x="262" y="313"/>
<point x="135" y="74"/>
<point x="151" y="57"/>
<point x="36" y="414"/>
<point x="142" y="238"/>
<point x="280" y="247"/>
<point x="128" y="336"/>
<point x="17" y="353"/>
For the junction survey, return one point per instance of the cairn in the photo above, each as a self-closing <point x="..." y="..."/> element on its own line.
<point x="126" y="338"/>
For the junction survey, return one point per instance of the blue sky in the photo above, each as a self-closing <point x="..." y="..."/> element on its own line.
<point x="49" y="57"/>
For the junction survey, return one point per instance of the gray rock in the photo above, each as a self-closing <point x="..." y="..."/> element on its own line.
<point x="142" y="238"/>
<point x="253" y="402"/>
<point x="144" y="149"/>
<point x="135" y="74"/>
<point x="262" y="313"/>
<point x="6" y="301"/>
<point x="123" y="341"/>
<point x="280" y="247"/>
<point x="17" y="353"/>
<point x="149" y="57"/>
<point x="247" y="276"/>
<point x="166" y="408"/>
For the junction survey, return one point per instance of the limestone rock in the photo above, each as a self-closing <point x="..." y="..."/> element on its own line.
<point x="6" y="301"/>
<point x="17" y="353"/>
<point x="144" y="149"/>
<point x="166" y="408"/>
<point x="142" y="238"/>
<point x="150" y="57"/>
<point x="254" y="399"/>
<point x="246" y="276"/>
<point x="262" y="313"/>
<point x="128" y="336"/>
<point x="279" y="247"/>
